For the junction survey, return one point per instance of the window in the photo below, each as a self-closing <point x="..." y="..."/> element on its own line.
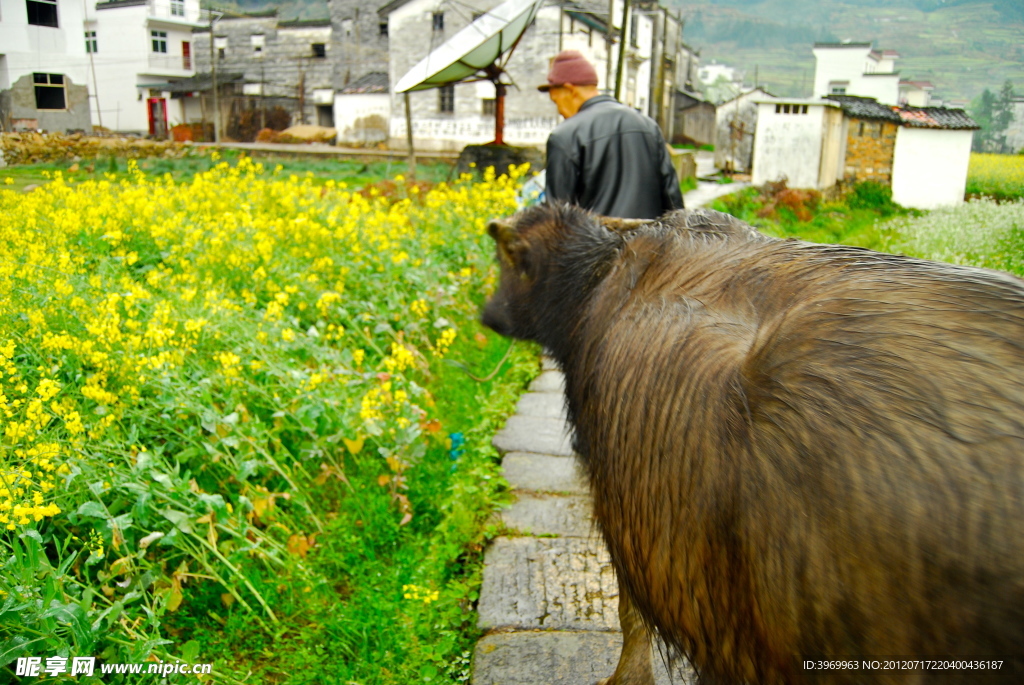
<point x="791" y="109"/>
<point x="383" y="28"/>
<point x="633" y="34"/>
<point x="49" y="91"/>
<point x="447" y="96"/>
<point x="439" y="21"/>
<point x="42" y="13"/>
<point x="490" y="106"/>
<point x="177" y="8"/>
<point x="90" y="42"/>
<point x="159" y="41"/>
<point x="319" y="50"/>
<point x="221" y="45"/>
<point x="258" y="42"/>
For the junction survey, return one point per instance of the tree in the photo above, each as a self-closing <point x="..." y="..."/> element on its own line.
<point x="994" y="114"/>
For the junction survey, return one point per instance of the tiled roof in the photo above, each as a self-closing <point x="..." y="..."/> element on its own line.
<point x="865" y="108"/>
<point x="374" y="82"/>
<point x="936" y="117"/>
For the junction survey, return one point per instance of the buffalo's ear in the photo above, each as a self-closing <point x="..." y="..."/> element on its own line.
<point x="510" y="246"/>
<point x="617" y="225"/>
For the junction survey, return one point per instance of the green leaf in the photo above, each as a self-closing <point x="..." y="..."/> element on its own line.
<point x="93" y="509"/>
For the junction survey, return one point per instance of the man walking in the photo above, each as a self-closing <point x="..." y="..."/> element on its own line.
<point x="605" y="157"/>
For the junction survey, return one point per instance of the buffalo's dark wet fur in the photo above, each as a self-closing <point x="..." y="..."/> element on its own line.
<point x="795" y="450"/>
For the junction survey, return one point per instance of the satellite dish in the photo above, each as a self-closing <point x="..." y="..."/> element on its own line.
<point x="475" y="53"/>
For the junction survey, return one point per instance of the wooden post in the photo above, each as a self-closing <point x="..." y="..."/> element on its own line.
<point x="623" y="41"/>
<point x="499" y="113"/>
<point x="408" y="138"/>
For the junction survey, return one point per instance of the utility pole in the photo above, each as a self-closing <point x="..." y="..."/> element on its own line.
<point x="214" y="16"/>
<point x="623" y="39"/>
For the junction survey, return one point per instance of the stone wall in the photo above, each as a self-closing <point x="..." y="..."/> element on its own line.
<point x="286" y="67"/>
<point x="360" y="44"/>
<point x="869" y="150"/>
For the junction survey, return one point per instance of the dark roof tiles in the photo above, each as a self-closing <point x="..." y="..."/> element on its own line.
<point x="936" y="117"/>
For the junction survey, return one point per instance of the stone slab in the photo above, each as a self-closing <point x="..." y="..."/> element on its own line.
<point x="557" y="658"/>
<point x="543" y="473"/>
<point x="533" y="434"/>
<point x="548" y="381"/>
<point x="550" y="584"/>
<point x="545" y="405"/>
<point x="562" y="515"/>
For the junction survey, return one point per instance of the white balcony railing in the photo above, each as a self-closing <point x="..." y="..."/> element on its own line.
<point x="170" y="62"/>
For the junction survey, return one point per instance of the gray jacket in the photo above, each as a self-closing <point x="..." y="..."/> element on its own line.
<point x="612" y="160"/>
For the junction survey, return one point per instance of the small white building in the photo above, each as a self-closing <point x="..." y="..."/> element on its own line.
<point x="856" y="69"/>
<point x="816" y="143"/>
<point x="44" y="67"/>
<point x="799" y="141"/>
<point x="933" y="151"/>
<point x="136" y="48"/>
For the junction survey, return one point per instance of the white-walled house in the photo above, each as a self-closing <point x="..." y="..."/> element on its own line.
<point x="138" y="47"/>
<point x="72" y="65"/>
<point x="798" y="140"/>
<point x="44" y="67"/>
<point x="933" y="151"/>
<point x="921" y="152"/>
<point x="855" y="69"/>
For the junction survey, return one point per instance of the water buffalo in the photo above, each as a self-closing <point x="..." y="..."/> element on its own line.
<point x="798" y="454"/>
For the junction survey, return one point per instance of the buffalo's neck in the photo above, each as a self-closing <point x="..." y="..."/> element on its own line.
<point x="569" y="291"/>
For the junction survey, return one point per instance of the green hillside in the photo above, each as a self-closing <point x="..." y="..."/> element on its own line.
<point x="961" y="46"/>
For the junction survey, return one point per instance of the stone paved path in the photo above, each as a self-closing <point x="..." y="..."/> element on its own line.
<point x="549" y="600"/>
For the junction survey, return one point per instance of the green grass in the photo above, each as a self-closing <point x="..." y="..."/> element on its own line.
<point x="347" y="618"/>
<point x="858" y="219"/>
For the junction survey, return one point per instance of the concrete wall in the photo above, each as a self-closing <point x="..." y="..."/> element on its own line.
<point x="870" y="145"/>
<point x="362" y="118"/>
<point x="789" y="146"/>
<point x="19" y="104"/>
<point x="930" y="167"/>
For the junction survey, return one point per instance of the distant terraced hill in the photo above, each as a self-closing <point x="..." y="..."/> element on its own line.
<point x="961" y="46"/>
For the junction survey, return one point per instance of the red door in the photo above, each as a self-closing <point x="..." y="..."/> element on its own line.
<point x="157" y="108"/>
<point x="186" y="55"/>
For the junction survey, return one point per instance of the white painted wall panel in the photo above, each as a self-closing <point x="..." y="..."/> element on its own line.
<point x="929" y="167"/>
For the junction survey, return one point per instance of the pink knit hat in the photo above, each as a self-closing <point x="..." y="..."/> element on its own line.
<point x="570" y="66"/>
